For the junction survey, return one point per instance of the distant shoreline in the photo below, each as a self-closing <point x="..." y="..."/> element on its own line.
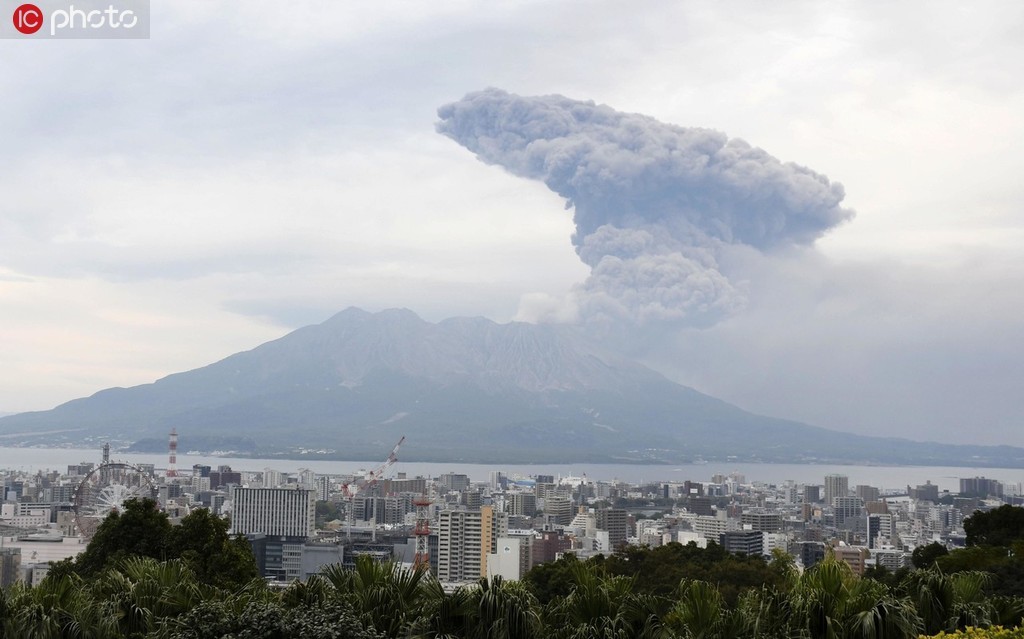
<point x="881" y="476"/>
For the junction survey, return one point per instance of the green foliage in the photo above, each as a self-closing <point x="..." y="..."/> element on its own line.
<point x="331" y="619"/>
<point x="973" y="558"/>
<point x="663" y="567"/>
<point x="891" y="579"/>
<point x="949" y="601"/>
<point x="142" y="598"/>
<point x="1004" y="565"/>
<point x="829" y="601"/>
<point x="999" y="527"/>
<point x="384" y="596"/>
<point x="327" y="511"/>
<point x="491" y="609"/>
<point x="139" y="530"/>
<point x="551" y="580"/>
<point x="200" y="541"/>
<point x="602" y="606"/>
<point x="926" y="556"/>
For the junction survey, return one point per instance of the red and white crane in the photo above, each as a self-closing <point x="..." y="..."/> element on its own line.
<point x="352" y="488"/>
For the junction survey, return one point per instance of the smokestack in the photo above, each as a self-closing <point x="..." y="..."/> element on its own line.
<point x="172" y="456"/>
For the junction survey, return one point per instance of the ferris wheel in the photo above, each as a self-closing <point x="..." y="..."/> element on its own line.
<point x="105" y="490"/>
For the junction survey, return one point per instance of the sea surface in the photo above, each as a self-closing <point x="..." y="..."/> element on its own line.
<point x="884" y="477"/>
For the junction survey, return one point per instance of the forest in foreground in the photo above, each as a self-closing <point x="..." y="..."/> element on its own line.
<point x="141" y="577"/>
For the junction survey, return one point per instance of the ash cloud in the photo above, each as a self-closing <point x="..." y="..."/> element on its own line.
<point x="655" y="205"/>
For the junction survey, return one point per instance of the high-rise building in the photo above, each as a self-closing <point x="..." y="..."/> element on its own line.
<point x="559" y="509"/>
<point x="10" y="566"/>
<point x="879" y="526"/>
<point x="323" y="487"/>
<point x="812" y="494"/>
<point x="464" y="539"/>
<point x="616" y="522"/>
<point x="547" y="545"/>
<point x="866" y="493"/>
<point x="454" y="481"/>
<point x="980" y="487"/>
<point x="809" y="553"/>
<point x="524" y="504"/>
<point x="710" y="528"/>
<point x="224" y="476"/>
<point x="404" y="485"/>
<point x="769" y="522"/>
<point x="306" y="478"/>
<point x="699" y="506"/>
<point x="744" y="542"/>
<point x="498" y="480"/>
<point x="277" y="522"/>
<point x="925" y="492"/>
<point x="836" y="486"/>
<point x="847" y="511"/>
<point x="471" y="499"/>
<point x="274" y="511"/>
<point x="272" y="478"/>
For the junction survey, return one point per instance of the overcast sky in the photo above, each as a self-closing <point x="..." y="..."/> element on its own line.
<point x="257" y="166"/>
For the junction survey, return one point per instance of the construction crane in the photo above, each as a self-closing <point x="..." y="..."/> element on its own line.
<point x="352" y="488"/>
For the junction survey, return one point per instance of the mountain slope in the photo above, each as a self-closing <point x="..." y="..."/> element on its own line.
<point x="464" y="388"/>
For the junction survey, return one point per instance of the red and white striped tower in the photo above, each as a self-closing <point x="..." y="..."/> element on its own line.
<point x="172" y="456"/>
<point x="422" y="532"/>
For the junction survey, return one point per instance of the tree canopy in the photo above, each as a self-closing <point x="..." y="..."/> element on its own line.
<point x="140" y="529"/>
<point x="999" y="527"/>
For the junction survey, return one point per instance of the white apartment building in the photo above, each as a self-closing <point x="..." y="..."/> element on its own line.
<point x="279" y="512"/>
<point x="709" y="527"/>
<point x="464" y="539"/>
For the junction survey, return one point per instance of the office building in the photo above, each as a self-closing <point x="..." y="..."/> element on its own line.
<point x="274" y="511"/>
<point x="866" y="493"/>
<point x="454" y="482"/>
<point x="616" y="522"/>
<point x="879" y="526"/>
<point x="10" y="566"/>
<point x="836" y="486"/>
<point x="559" y="510"/>
<point x="848" y="510"/>
<point x="812" y="494"/>
<point x="980" y="487"/>
<point x="277" y="522"/>
<point x="522" y="504"/>
<point x="769" y="522"/>
<point x="744" y="542"/>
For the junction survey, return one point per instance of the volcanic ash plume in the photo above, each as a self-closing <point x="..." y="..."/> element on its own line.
<point x="655" y="204"/>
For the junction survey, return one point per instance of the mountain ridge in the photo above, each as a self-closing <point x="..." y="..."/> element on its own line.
<point x="462" y="388"/>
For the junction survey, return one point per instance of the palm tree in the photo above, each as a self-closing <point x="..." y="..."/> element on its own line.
<point x="503" y="610"/>
<point x="699" y="612"/>
<point x="947" y="602"/>
<point x="385" y="595"/>
<point x="602" y="607"/>
<point x="55" y="609"/>
<point x="830" y="602"/>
